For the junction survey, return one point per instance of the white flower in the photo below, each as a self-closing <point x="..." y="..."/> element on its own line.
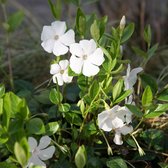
<point x="40" y="152"/>
<point x="54" y="39"/>
<point x="86" y="57"/>
<point x="60" y="72"/>
<point x="131" y="77"/>
<point x="117" y="119"/>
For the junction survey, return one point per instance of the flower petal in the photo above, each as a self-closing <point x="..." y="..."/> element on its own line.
<point x="44" y="142"/>
<point x="118" y="139"/>
<point x="66" y="78"/>
<point x="32" y="143"/>
<point x="97" y="57"/>
<point x="48" y="45"/>
<point x="59" y="27"/>
<point x="104" y="121"/>
<point x="89" y="46"/>
<point x="64" y="64"/>
<point x="76" y="49"/>
<point x="68" y="38"/>
<point x="34" y="160"/>
<point x="59" y="48"/>
<point x="89" y="69"/>
<point x="117" y="122"/>
<point x="47" y="153"/>
<point x="55" y="68"/>
<point x="47" y="33"/>
<point x="76" y="64"/>
<point x="133" y="75"/>
<point x="126" y="129"/>
<point x="58" y="78"/>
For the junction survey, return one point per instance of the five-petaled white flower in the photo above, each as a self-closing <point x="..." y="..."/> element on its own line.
<point x="117" y="119"/>
<point x="54" y="39"/>
<point x="60" y="72"/>
<point x="40" y="152"/>
<point x="86" y="57"/>
<point x="131" y="77"/>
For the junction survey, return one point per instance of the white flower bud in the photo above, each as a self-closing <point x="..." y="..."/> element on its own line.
<point x="122" y="22"/>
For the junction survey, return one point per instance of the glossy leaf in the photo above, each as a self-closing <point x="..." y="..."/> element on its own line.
<point x="35" y="126"/>
<point x="55" y="96"/>
<point x="20" y="154"/>
<point x="127" y="33"/>
<point x="147" y="96"/>
<point x="80" y="157"/>
<point x="52" y="128"/>
<point x="116" y="162"/>
<point x="135" y="110"/>
<point x="94" y="30"/>
<point x="117" y="89"/>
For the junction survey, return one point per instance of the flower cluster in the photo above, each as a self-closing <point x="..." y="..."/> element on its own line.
<point x="119" y="118"/>
<point x="85" y="58"/>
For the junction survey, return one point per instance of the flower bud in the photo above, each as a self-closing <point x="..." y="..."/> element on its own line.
<point x="122" y="23"/>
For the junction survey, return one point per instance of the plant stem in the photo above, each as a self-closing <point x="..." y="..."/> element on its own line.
<point x="8" y="49"/>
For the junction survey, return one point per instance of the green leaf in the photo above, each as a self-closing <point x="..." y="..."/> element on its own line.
<point x="102" y="25"/>
<point x="163" y="95"/>
<point x="64" y="107"/>
<point x="52" y="128"/>
<point x="95" y="31"/>
<point x="1" y="106"/>
<point x="2" y="90"/>
<point x="149" y="80"/>
<point x="147" y="35"/>
<point x="118" y="70"/>
<point x="127" y="33"/>
<point x="71" y="73"/>
<point x="80" y="157"/>
<point x="139" y="52"/>
<point x="73" y="118"/>
<point x="14" y="107"/>
<point x="55" y="96"/>
<point x="161" y="108"/>
<point x="109" y="65"/>
<point x="152" y="50"/>
<point x="163" y="165"/>
<point x="117" y="89"/>
<point x="43" y="97"/>
<point x="123" y="96"/>
<point x="94" y="90"/>
<point x="116" y="162"/>
<point x="15" y="20"/>
<point x="20" y="154"/>
<point x="56" y="8"/>
<point x="147" y="96"/>
<point x="35" y="126"/>
<point x="135" y="110"/>
<point x="106" y="53"/>
<point x="80" y="22"/>
<point x="7" y="165"/>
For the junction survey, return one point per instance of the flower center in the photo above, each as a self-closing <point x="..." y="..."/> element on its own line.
<point x="56" y="37"/>
<point x="61" y="71"/>
<point x="85" y="57"/>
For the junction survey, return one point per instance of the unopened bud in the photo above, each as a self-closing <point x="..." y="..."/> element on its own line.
<point x="122" y="22"/>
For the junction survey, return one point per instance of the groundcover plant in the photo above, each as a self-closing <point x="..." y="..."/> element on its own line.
<point x="97" y="106"/>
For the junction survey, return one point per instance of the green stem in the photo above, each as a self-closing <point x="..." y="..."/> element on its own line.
<point x="109" y="149"/>
<point x="8" y="49"/>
